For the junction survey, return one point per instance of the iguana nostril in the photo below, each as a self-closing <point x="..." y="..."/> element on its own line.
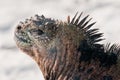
<point x="19" y="27"/>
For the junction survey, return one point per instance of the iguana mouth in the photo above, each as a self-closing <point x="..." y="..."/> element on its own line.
<point x="22" y="39"/>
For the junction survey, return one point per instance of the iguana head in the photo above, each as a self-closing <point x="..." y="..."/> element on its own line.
<point x="37" y="31"/>
<point x="40" y="32"/>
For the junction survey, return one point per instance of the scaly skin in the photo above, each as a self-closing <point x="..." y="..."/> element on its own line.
<point x="68" y="50"/>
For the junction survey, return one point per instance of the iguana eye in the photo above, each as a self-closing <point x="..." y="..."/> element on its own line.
<point x="40" y="32"/>
<point x="37" y="31"/>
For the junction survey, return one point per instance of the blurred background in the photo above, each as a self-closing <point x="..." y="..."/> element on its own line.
<point x="15" y="65"/>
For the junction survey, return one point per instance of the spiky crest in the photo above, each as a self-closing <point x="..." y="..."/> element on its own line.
<point x="90" y="48"/>
<point x="92" y="35"/>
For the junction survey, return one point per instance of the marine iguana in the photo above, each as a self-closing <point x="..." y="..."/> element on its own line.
<point x="68" y="50"/>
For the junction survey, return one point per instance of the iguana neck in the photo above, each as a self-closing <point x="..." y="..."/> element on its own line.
<point x="61" y="62"/>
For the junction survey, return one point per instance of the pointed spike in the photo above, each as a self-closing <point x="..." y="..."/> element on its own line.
<point x="86" y="22"/>
<point x="68" y="19"/>
<point x="96" y="35"/>
<point x="107" y="46"/>
<point x="92" y="31"/>
<point x="89" y="26"/>
<point x="91" y="34"/>
<point x="112" y="48"/>
<point x="98" y="40"/>
<point x="93" y="42"/>
<point x="77" y="20"/>
<point x="83" y="20"/>
<point x="118" y="52"/>
<point x="74" y="18"/>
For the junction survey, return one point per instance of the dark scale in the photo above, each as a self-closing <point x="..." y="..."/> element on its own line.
<point x="81" y="69"/>
<point x="107" y="78"/>
<point x="90" y="70"/>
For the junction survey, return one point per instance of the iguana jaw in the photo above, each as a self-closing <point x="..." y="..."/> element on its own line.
<point x="22" y="40"/>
